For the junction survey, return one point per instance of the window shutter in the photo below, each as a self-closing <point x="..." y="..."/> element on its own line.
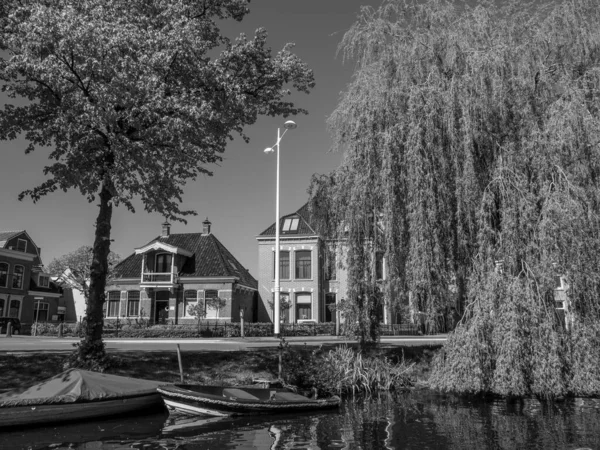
<point x="200" y="298"/>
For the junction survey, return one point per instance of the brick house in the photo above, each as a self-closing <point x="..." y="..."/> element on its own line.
<point x="306" y="286"/>
<point x="309" y="282"/>
<point x="161" y="279"/>
<point x="26" y="291"/>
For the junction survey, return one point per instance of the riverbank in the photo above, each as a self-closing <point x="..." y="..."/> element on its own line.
<point x="20" y="370"/>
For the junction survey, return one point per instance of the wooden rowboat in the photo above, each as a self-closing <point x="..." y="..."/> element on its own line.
<point x="234" y="401"/>
<point x="77" y="395"/>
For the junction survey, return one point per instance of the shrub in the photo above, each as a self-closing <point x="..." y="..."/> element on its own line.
<point x="343" y="370"/>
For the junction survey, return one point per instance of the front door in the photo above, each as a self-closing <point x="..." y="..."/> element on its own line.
<point x="161" y="307"/>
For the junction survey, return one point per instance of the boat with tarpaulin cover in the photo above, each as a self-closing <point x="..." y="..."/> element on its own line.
<point x="234" y="401"/>
<point x="78" y="395"/>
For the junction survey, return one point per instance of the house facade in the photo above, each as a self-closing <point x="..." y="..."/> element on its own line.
<point x="307" y="288"/>
<point x="311" y="281"/>
<point x="163" y="278"/>
<point x="26" y="290"/>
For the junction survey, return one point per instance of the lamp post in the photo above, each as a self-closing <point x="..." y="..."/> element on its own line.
<point x="289" y="125"/>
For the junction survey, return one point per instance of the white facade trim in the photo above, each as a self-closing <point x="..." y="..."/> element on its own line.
<point x="157" y="245"/>
<point x="16" y="254"/>
<point x="44" y="294"/>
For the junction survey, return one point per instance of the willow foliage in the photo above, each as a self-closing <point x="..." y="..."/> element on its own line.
<point x="471" y="135"/>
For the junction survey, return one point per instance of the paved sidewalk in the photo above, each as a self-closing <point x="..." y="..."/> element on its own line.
<point x="33" y="344"/>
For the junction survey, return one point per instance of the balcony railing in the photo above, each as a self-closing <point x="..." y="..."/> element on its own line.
<point x="156" y="277"/>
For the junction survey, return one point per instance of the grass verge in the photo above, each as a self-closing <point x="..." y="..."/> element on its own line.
<point x="204" y="367"/>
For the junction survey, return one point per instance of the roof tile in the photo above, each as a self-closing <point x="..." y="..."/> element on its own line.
<point x="304" y="226"/>
<point x="210" y="259"/>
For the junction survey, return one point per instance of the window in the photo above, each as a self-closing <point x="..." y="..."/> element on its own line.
<point x="290" y="225"/>
<point x="190" y="298"/>
<point x="40" y="311"/>
<point x="17" y="281"/>
<point x="21" y="245"/>
<point x="14" y="309"/>
<point x="330" y="267"/>
<point x="303" y="307"/>
<point x="2" y="302"/>
<point x="303" y="265"/>
<point x="284" y="265"/>
<point x="211" y="302"/>
<point x="163" y="263"/>
<point x="329" y="307"/>
<point x="4" y="274"/>
<point x="379" y="270"/>
<point x="44" y="281"/>
<point x="284" y="306"/>
<point x="133" y="303"/>
<point x="114" y="300"/>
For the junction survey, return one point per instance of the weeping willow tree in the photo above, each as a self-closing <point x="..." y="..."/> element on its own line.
<point x="471" y="141"/>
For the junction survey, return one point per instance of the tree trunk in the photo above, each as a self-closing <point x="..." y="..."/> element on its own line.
<point x="91" y="352"/>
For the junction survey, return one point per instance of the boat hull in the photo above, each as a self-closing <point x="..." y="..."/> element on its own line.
<point x="33" y="415"/>
<point x="219" y="401"/>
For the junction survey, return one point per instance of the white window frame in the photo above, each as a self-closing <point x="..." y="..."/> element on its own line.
<point x="309" y="302"/>
<point x="22" y="276"/>
<point x="289" y="252"/>
<point x="7" y="273"/>
<point x="156" y="262"/>
<point x="139" y="301"/>
<point x="47" y="278"/>
<point x="206" y="309"/>
<point x="290" y="225"/>
<point x="19" y="240"/>
<point x="4" y="298"/>
<point x="312" y="264"/>
<point x="109" y="301"/>
<point x="187" y="303"/>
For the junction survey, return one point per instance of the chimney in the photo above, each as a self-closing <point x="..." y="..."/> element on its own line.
<point x="206" y="226"/>
<point x="166" y="229"/>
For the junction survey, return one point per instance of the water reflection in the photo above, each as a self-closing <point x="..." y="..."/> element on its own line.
<point x="409" y="421"/>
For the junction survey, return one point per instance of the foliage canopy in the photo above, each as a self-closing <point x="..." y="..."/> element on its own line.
<point x="471" y="136"/>
<point x="134" y="98"/>
<point x="74" y="268"/>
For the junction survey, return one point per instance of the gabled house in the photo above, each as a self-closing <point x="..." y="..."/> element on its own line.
<point x="308" y="288"/>
<point x="311" y="283"/>
<point x="162" y="278"/>
<point x="26" y="290"/>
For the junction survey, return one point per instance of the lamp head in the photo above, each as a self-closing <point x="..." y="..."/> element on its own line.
<point x="269" y="150"/>
<point x="290" y="125"/>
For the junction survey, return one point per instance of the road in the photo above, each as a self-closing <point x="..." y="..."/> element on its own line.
<point x="31" y="344"/>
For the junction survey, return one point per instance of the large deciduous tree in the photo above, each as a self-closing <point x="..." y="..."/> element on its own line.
<point x="471" y="140"/>
<point x="74" y="268"/>
<point x="134" y="98"/>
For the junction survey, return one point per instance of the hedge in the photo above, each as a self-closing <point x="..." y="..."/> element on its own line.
<point x="127" y="329"/>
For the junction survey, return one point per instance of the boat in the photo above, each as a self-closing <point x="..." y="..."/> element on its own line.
<point x="236" y="400"/>
<point x="76" y="395"/>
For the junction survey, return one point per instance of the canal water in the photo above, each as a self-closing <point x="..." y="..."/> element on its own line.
<point x="416" y="420"/>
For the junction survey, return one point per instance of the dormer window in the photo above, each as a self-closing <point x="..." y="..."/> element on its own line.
<point x="44" y="281"/>
<point x="21" y="245"/>
<point x="290" y="225"/>
<point x="163" y="262"/>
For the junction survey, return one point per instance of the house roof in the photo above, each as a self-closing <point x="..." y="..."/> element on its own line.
<point x="209" y="258"/>
<point x="304" y="225"/>
<point x="5" y="236"/>
<point x="53" y="288"/>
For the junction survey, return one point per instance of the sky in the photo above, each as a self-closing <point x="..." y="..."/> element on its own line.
<point x="239" y="199"/>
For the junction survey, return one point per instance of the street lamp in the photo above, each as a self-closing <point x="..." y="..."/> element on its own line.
<point x="289" y="125"/>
